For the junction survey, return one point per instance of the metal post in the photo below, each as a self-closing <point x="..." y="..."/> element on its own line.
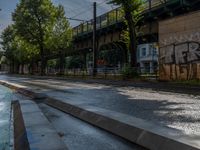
<point x="76" y="30"/>
<point x="94" y="41"/>
<point x="116" y="15"/>
<point x="100" y="21"/>
<point x="150" y="4"/>
<point x="87" y="26"/>
<point x="82" y="28"/>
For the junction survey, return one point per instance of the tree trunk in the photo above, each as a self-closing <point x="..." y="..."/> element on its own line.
<point x="12" y="66"/>
<point x="41" y="44"/>
<point x="22" y="68"/>
<point x="43" y="66"/>
<point x="37" y="67"/>
<point x="62" y="64"/>
<point x="43" y="60"/>
<point x="16" y="68"/>
<point x="125" y="48"/>
<point x="85" y="60"/>
<point x="133" y="39"/>
<point x="32" y="68"/>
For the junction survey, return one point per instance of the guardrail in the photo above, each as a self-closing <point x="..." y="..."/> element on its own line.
<point x="113" y="17"/>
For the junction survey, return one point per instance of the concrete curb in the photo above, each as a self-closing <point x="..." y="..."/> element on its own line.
<point x="23" y="91"/>
<point x="133" y="129"/>
<point x="20" y="135"/>
<point x="32" y="130"/>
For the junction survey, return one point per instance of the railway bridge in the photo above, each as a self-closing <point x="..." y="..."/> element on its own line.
<point x="111" y="25"/>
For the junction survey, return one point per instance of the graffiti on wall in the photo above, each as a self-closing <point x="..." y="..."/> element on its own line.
<point x="182" y="53"/>
<point x="180" y="58"/>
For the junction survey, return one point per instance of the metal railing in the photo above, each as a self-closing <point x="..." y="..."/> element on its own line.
<point x="105" y="72"/>
<point x="112" y="17"/>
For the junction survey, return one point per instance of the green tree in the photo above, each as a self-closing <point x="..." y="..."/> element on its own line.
<point x="17" y="50"/>
<point x="24" y="52"/>
<point x="132" y="10"/>
<point x="33" y="20"/>
<point x="60" y="37"/>
<point x="8" y="46"/>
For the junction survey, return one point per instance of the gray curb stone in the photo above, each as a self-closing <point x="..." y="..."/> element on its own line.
<point x="38" y="133"/>
<point x="136" y="130"/>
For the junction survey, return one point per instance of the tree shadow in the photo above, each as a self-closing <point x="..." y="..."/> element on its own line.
<point x="161" y="112"/>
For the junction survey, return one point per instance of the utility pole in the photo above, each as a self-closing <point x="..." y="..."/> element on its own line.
<point x="94" y="40"/>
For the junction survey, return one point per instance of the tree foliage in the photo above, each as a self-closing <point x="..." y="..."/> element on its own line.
<point x="75" y="62"/>
<point x="16" y="49"/>
<point x="132" y="10"/>
<point x="40" y="23"/>
<point x="61" y="34"/>
<point x="7" y="42"/>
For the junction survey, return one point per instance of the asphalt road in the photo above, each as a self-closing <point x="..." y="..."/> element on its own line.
<point x="180" y="111"/>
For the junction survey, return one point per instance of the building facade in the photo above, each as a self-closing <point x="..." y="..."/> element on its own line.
<point x="179" y="41"/>
<point x="147" y="57"/>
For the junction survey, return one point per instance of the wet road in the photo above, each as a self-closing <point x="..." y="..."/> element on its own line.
<point x="79" y="135"/>
<point x="4" y="117"/>
<point x="180" y="111"/>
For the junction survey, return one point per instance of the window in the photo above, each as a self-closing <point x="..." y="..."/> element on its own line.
<point x="143" y="53"/>
<point x="155" y="52"/>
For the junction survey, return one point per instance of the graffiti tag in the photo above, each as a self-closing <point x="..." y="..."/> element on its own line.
<point x="182" y="53"/>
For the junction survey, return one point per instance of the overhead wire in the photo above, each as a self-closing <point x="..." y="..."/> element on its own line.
<point x="88" y="9"/>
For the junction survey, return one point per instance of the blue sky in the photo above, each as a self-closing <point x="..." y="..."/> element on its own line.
<point x="82" y="9"/>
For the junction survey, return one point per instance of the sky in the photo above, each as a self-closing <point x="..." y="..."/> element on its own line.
<point x="80" y="9"/>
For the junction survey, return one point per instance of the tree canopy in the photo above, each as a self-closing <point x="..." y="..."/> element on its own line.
<point x="16" y="49"/>
<point x="40" y="23"/>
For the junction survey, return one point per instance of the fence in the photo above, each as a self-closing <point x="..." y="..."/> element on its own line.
<point x="114" y="16"/>
<point x="106" y="72"/>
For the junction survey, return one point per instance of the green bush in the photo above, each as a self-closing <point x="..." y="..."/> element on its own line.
<point x="128" y="72"/>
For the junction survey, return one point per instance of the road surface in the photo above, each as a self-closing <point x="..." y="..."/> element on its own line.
<point x="76" y="134"/>
<point x="179" y="111"/>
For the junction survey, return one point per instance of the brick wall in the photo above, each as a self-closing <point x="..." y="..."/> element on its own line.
<point x="179" y="41"/>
